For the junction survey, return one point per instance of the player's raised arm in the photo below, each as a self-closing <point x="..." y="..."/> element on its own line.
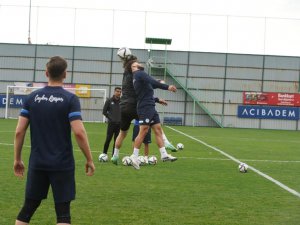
<point x="172" y="88"/>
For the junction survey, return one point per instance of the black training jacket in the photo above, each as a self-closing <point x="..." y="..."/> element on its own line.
<point x="112" y="111"/>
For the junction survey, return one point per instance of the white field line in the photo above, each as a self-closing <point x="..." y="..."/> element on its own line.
<point x="283" y="186"/>
<point x="198" y="158"/>
<point x="29" y="146"/>
<point x="245" y="160"/>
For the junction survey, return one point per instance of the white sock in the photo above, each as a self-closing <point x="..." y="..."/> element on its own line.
<point x="163" y="152"/>
<point x="116" y="152"/>
<point x="136" y="151"/>
<point x="164" y="137"/>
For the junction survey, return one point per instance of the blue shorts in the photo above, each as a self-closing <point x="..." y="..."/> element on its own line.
<point x="148" y="116"/>
<point x="62" y="184"/>
<point x="135" y="132"/>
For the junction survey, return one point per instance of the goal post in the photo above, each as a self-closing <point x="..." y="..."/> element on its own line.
<point x="91" y="100"/>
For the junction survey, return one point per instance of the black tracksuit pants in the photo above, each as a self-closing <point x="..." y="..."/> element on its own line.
<point x="113" y="130"/>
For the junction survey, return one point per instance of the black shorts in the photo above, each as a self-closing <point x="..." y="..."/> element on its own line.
<point x="128" y="113"/>
<point x="135" y="132"/>
<point x="62" y="184"/>
<point x="148" y="116"/>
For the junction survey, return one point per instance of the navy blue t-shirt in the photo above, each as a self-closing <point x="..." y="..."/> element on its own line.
<point x="50" y="111"/>
<point x="143" y="86"/>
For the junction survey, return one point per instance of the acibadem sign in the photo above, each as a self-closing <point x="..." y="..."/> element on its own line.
<point x="268" y="112"/>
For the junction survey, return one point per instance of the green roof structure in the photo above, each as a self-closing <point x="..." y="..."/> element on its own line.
<point x="160" y="41"/>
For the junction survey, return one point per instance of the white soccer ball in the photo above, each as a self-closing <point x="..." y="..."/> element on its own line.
<point x="103" y="157"/>
<point x="180" y="146"/>
<point x="123" y="52"/>
<point x="126" y="161"/>
<point x="152" y="160"/>
<point x="243" y="168"/>
<point x="142" y="160"/>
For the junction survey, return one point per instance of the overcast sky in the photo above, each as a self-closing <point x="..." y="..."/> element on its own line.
<point x="264" y="8"/>
<point x="240" y="26"/>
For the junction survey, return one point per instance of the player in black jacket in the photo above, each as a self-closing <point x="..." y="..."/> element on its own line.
<point x="111" y="111"/>
<point x="127" y="107"/>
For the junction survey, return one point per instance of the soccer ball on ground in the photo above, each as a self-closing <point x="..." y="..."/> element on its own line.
<point x="243" y="167"/>
<point x="142" y="160"/>
<point x="152" y="160"/>
<point x="126" y="161"/>
<point x="103" y="157"/>
<point x="123" y="52"/>
<point x="180" y="146"/>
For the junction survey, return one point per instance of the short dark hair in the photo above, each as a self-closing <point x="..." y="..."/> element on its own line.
<point x="56" y="66"/>
<point x="118" y="88"/>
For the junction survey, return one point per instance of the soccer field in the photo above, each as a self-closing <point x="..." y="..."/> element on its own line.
<point x="203" y="187"/>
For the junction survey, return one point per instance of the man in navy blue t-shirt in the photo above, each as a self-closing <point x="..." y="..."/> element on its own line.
<point x="51" y="113"/>
<point x="144" y="86"/>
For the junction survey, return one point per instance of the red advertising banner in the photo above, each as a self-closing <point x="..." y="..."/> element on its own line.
<point x="271" y="98"/>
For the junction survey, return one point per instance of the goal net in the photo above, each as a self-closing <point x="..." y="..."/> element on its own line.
<point x="91" y="99"/>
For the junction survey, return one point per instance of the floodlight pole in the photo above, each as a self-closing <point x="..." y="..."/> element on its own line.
<point x="29" y="38"/>
<point x="165" y="70"/>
